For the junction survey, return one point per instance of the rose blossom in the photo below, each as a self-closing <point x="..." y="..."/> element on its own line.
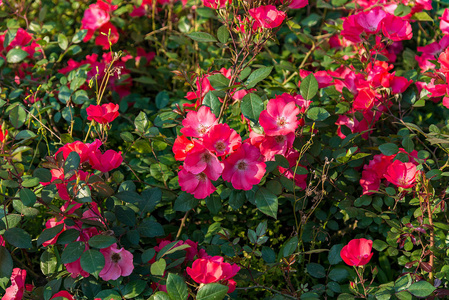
<point x="118" y="262"/>
<point x="357" y="252"/>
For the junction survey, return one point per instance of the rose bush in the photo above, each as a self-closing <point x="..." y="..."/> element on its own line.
<point x="224" y="149"/>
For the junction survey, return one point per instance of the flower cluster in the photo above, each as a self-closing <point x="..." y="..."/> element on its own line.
<point x="401" y="174"/>
<point x="360" y="26"/>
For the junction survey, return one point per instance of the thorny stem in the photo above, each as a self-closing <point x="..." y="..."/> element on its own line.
<point x="183" y="222"/>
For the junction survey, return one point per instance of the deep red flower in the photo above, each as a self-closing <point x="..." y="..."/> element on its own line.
<point x="103" y="114"/>
<point x="357" y="252"/>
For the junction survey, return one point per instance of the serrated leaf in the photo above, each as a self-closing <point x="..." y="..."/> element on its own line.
<point x="257" y="76"/>
<point x="102" y="241"/>
<point x="421" y="289"/>
<point x="72" y="252"/>
<point x="202" y="37"/>
<point x="212" y="101"/>
<point x="267" y="202"/>
<point x="252" y="106"/>
<point x="212" y="291"/>
<point x="176" y="287"/>
<point x="309" y="87"/>
<point x="317" y="114"/>
<point x="223" y="34"/>
<point x="92" y="261"/>
<point x="18" y="238"/>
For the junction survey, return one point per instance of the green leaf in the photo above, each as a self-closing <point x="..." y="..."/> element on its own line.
<point x="92" y="261"/>
<point x="25" y="135"/>
<point x="267" y="202"/>
<point x="388" y="149"/>
<point x="17" y="116"/>
<point x="223" y="34"/>
<point x="125" y="215"/>
<point x="149" y="199"/>
<point x="102" y="241"/>
<point x="309" y="87"/>
<point x="338" y="274"/>
<point x="141" y="122"/>
<point x="316" y="270"/>
<point x="158" y="268"/>
<point x="252" y="106"/>
<point x="422" y="16"/>
<point x="379" y="245"/>
<point x="49" y="233"/>
<point x="185" y="202"/>
<point x="149" y="228"/>
<point x="408" y="144"/>
<point x="109" y="295"/>
<point x="213" y="203"/>
<point x="403" y="283"/>
<point x="16" y="55"/>
<point x="79" y="36"/>
<point x="218" y="81"/>
<point x="18" y="238"/>
<point x="176" y="287"/>
<point x="48" y="262"/>
<point x="212" y="101"/>
<point x="28" y="197"/>
<point x="159" y="296"/>
<point x="72" y="162"/>
<point x="317" y="114"/>
<point x="72" y="252"/>
<point x="257" y="76"/>
<point x="202" y="37"/>
<point x="134" y="289"/>
<point x="6" y="266"/>
<point x="212" y="291"/>
<point x="421" y="289"/>
<point x="62" y="41"/>
<point x="162" y="99"/>
<point x="334" y="254"/>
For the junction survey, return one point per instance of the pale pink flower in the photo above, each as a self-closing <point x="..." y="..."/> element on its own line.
<point x="118" y="262"/>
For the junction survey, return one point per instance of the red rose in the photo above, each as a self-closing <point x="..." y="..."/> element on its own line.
<point x="103" y="114"/>
<point x="357" y="252"/>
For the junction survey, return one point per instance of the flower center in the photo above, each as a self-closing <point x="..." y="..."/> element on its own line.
<point x="116" y="257"/>
<point x="201" y="176"/>
<point x="242" y="165"/>
<point x="220" y="146"/>
<point x="281" y="122"/>
<point x="280" y="139"/>
<point x="206" y="157"/>
<point x="202" y="129"/>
